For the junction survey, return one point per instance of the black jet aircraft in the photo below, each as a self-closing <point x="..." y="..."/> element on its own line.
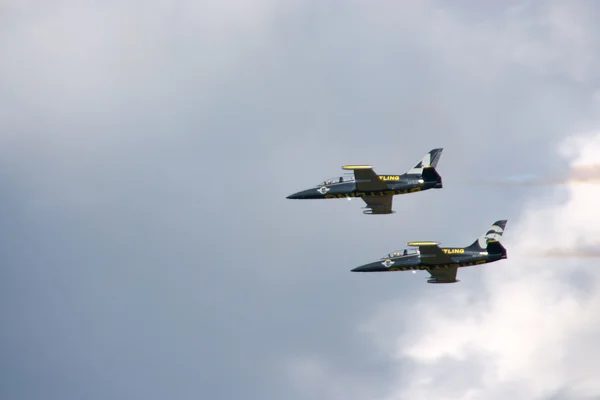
<point x="442" y="263"/>
<point x="377" y="190"/>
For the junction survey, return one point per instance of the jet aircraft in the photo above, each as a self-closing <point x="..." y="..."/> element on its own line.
<point x="377" y="190"/>
<point x="442" y="263"/>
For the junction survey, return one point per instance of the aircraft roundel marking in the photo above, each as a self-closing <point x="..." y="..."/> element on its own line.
<point x="323" y="189"/>
<point x="387" y="263"/>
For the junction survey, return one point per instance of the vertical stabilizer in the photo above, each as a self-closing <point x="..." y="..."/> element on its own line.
<point x="429" y="160"/>
<point x="493" y="234"/>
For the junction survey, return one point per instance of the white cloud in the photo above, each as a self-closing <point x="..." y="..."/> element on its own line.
<point x="532" y="328"/>
<point x="529" y="330"/>
<point x="90" y="101"/>
<point x="314" y="377"/>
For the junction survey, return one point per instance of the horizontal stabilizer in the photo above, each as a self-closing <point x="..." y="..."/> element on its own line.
<point x="429" y="174"/>
<point x="495" y="247"/>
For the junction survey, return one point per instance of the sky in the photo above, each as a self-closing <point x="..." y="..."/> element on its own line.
<point x="148" y="249"/>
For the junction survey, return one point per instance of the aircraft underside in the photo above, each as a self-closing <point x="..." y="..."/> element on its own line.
<point x="382" y="193"/>
<point x="423" y="267"/>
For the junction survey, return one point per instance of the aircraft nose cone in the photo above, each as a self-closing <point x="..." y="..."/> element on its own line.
<point x="372" y="267"/>
<point x="304" y="194"/>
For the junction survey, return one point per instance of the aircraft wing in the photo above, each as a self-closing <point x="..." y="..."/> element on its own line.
<point x="378" y="204"/>
<point x="446" y="275"/>
<point x="366" y="178"/>
<point x="431" y="253"/>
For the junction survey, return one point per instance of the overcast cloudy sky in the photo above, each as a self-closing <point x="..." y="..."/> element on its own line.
<point x="148" y="250"/>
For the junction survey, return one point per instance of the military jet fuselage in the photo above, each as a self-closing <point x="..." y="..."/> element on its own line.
<point x="442" y="262"/>
<point x="395" y="184"/>
<point x="377" y="190"/>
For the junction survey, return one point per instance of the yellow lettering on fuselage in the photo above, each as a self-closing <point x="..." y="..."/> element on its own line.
<point x="453" y="251"/>
<point x="389" y="178"/>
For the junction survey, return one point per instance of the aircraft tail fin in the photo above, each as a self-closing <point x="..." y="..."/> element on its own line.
<point x="490" y="240"/>
<point x="430" y="160"/>
<point x="425" y="169"/>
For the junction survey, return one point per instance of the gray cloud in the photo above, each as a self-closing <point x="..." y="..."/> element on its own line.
<point x="130" y="269"/>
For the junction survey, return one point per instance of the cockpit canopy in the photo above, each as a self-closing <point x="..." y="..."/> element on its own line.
<point x="404" y="252"/>
<point x="337" y="179"/>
